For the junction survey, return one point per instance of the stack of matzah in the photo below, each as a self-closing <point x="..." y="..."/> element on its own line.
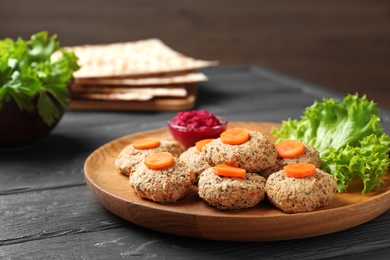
<point x="143" y="75"/>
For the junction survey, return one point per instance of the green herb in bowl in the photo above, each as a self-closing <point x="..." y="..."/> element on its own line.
<point x="34" y="75"/>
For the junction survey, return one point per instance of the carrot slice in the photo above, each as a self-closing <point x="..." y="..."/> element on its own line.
<point x="199" y="144"/>
<point x="226" y="170"/>
<point x="146" y="143"/>
<point x="299" y="170"/>
<point x="235" y="136"/>
<point x="159" y="160"/>
<point x="289" y="148"/>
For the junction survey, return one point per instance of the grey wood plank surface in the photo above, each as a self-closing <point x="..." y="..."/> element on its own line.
<point x="240" y="93"/>
<point x="47" y="211"/>
<point x="68" y="223"/>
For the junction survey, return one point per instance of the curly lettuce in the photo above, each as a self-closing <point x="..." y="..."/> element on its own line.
<point x="348" y="136"/>
<point x="37" y="68"/>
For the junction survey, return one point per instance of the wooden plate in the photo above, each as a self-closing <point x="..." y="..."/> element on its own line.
<point x="191" y="217"/>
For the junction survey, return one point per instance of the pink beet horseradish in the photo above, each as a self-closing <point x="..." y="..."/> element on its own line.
<point x="188" y="127"/>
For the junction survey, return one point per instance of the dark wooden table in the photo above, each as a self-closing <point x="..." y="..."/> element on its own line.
<point x="48" y="212"/>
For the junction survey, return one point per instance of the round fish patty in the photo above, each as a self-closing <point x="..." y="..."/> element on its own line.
<point x="294" y="195"/>
<point x="165" y="185"/>
<point x="255" y="155"/>
<point x="130" y="157"/>
<point x="227" y="193"/>
<point x="310" y="155"/>
<point x="195" y="161"/>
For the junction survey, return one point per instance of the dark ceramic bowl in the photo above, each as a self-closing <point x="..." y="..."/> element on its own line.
<point x="21" y="128"/>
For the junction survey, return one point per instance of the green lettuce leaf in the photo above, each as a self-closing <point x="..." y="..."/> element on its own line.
<point x="348" y="136"/>
<point x="35" y="74"/>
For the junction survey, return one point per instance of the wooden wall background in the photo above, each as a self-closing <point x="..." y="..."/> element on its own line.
<point x="339" y="44"/>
